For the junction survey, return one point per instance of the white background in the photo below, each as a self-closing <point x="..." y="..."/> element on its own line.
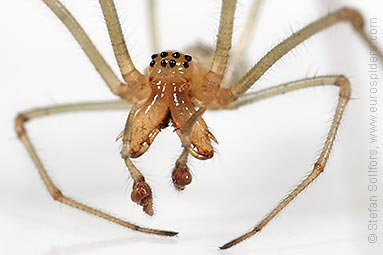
<point x="264" y="151"/>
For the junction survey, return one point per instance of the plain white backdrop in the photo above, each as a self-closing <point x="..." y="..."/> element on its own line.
<point x="264" y="149"/>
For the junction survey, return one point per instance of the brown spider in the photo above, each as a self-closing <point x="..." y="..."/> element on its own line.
<point x="178" y="88"/>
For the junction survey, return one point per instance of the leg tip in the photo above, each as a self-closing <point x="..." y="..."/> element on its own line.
<point x="230" y="244"/>
<point x="171" y="233"/>
<point x="226" y="246"/>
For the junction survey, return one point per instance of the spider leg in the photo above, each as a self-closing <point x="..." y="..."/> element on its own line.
<point x="344" y="95"/>
<point x="208" y="88"/>
<point x="225" y="33"/>
<point x="228" y="95"/>
<point x="181" y="175"/>
<point x="245" y="37"/>
<point x="281" y="89"/>
<point x="153" y="24"/>
<point x="54" y="191"/>
<point x="115" y="85"/>
<point x="234" y="97"/>
<point x="135" y="80"/>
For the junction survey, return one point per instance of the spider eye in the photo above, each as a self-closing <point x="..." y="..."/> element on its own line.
<point x="154" y="56"/>
<point x="176" y="55"/>
<point x="152" y="63"/>
<point x="164" y="62"/>
<point x="186" y="64"/>
<point x="164" y="54"/>
<point x="172" y="62"/>
<point x="188" y="58"/>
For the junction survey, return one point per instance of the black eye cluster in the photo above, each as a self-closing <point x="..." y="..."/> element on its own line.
<point x="171" y="62"/>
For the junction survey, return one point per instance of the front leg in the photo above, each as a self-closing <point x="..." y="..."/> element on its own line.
<point x="229" y="95"/>
<point x="208" y="88"/>
<point x="53" y="189"/>
<point x="113" y="82"/>
<point x="135" y="80"/>
<point x="344" y="95"/>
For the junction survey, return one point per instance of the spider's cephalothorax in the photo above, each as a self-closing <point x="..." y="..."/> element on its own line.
<point x="171" y="75"/>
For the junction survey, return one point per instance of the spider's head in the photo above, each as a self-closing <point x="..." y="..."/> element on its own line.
<point x="172" y="64"/>
<point x="171" y="74"/>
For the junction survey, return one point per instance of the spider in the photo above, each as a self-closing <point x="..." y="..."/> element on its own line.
<point x="177" y="88"/>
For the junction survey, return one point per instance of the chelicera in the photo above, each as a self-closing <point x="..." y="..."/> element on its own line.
<point x="177" y="89"/>
<point x="171" y="77"/>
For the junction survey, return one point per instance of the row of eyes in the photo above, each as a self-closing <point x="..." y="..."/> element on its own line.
<point x="172" y="62"/>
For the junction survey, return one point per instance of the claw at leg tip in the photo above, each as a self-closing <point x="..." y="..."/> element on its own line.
<point x="171" y="233"/>
<point x="229" y="244"/>
<point x="224" y="247"/>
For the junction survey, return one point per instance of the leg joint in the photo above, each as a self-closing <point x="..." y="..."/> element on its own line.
<point x="19" y="125"/>
<point x="56" y="194"/>
<point x="318" y="167"/>
<point x="225" y="97"/>
<point x="136" y="87"/>
<point x="352" y="15"/>
<point x="344" y="86"/>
